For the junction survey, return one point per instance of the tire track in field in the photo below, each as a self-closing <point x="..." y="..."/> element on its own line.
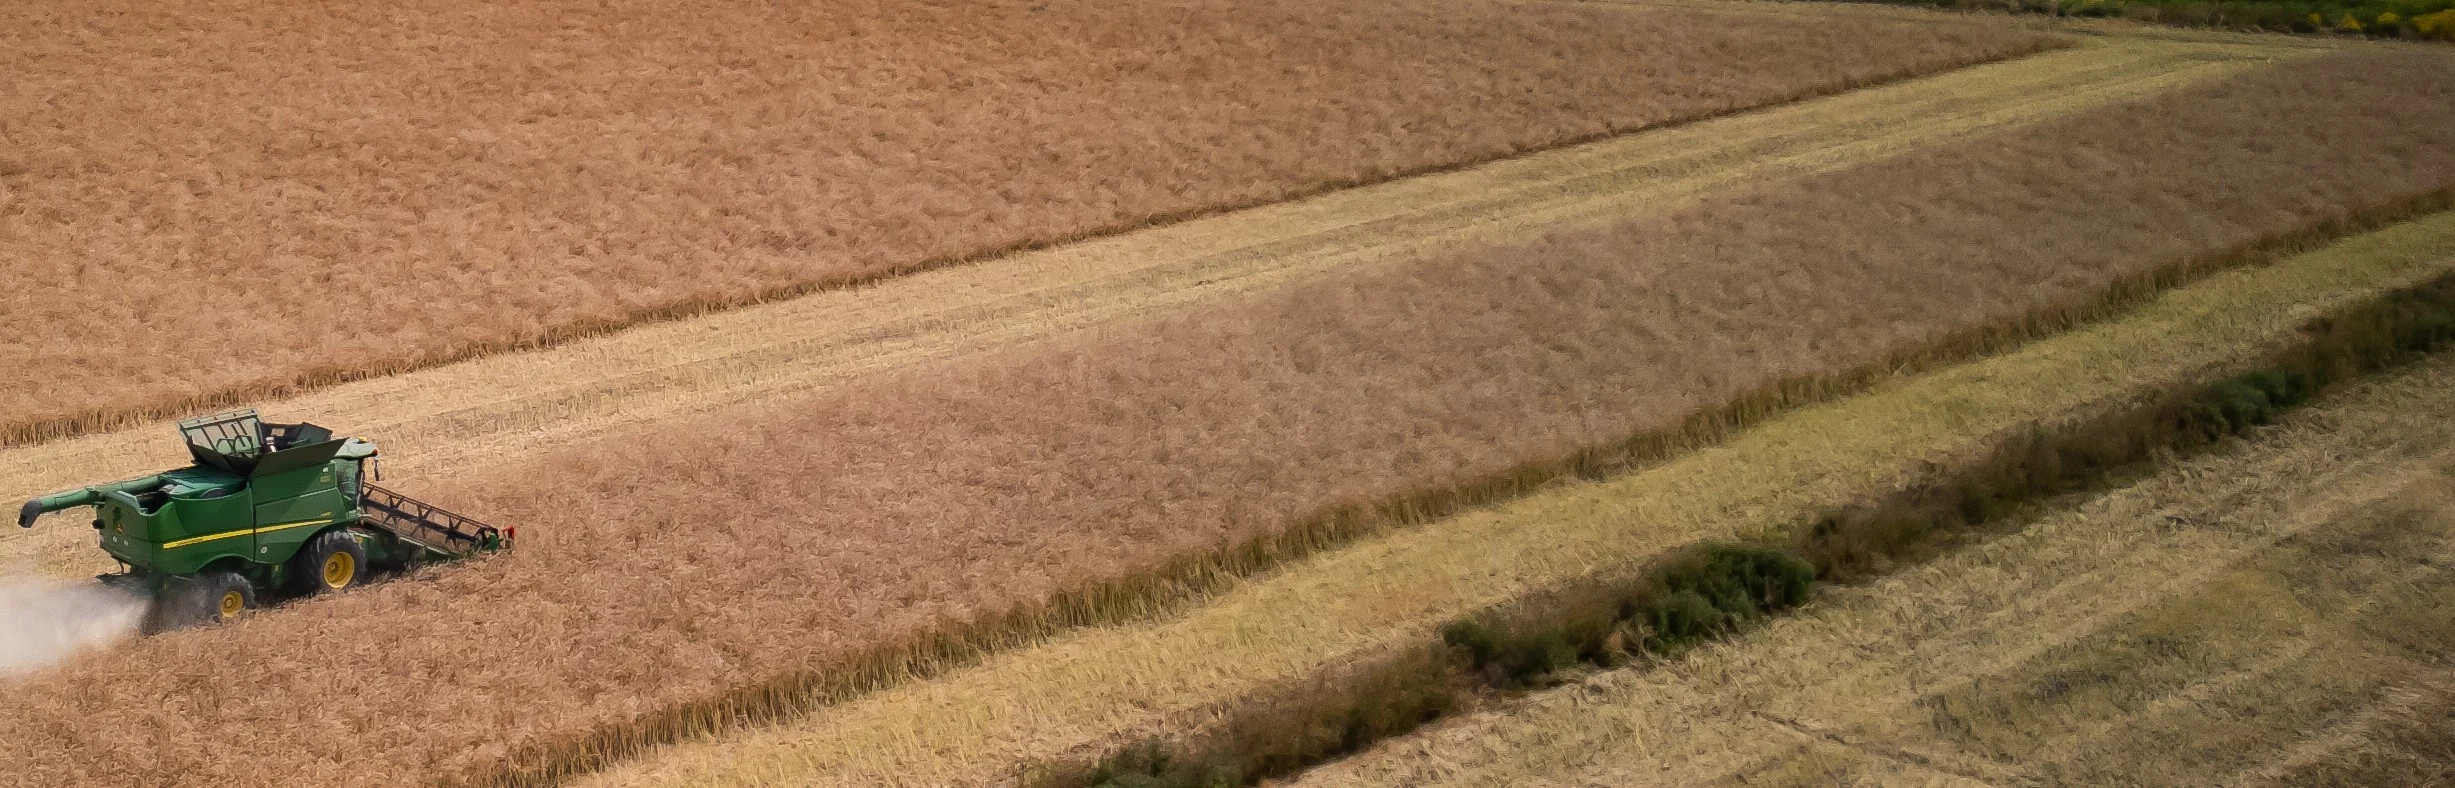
<point x="463" y="417"/>
<point x="2227" y="613"/>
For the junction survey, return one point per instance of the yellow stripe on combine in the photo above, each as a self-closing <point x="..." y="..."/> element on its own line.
<point x="202" y="539"/>
<point x="198" y="539"/>
<point x="283" y="526"/>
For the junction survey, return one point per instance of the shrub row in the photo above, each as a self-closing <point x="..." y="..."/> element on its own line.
<point x="1706" y="591"/>
<point x="2415" y="19"/>
<point x="1718" y="589"/>
<point x="1702" y="592"/>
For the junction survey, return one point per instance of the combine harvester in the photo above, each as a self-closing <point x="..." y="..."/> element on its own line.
<point x="267" y="510"/>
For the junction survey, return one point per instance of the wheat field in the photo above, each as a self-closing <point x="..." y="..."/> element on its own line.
<point x="787" y="534"/>
<point x="430" y="426"/>
<point x="201" y="202"/>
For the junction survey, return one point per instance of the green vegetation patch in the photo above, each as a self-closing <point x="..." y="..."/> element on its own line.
<point x="2408" y="19"/>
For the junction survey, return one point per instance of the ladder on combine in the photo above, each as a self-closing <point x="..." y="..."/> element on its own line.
<point x="443" y="533"/>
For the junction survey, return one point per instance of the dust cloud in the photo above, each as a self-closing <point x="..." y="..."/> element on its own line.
<point x="45" y="621"/>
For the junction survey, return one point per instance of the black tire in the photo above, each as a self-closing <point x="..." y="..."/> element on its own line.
<point x="206" y="598"/>
<point x="332" y="561"/>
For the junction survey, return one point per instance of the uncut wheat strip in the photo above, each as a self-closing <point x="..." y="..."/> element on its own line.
<point x="1110" y="685"/>
<point x="462" y="209"/>
<point x="450" y="419"/>
<point x="1856" y="667"/>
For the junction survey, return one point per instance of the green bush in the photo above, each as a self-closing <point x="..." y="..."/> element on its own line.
<point x="1714" y="590"/>
<point x="2440" y="26"/>
<point x="1513" y="661"/>
<point x="1683" y="616"/>
<point x="2244" y="405"/>
<point x="1481" y="643"/>
<point x="1746" y="581"/>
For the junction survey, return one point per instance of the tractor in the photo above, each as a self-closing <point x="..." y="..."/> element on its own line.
<point x="268" y="511"/>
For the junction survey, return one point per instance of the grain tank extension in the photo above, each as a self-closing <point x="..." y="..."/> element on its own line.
<point x="267" y="510"/>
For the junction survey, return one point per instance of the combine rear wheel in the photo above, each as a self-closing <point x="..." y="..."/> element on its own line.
<point x="332" y="561"/>
<point x="208" y="598"/>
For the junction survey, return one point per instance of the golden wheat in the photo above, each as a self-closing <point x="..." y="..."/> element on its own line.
<point x="730" y="549"/>
<point x="202" y="201"/>
<point x="429" y="425"/>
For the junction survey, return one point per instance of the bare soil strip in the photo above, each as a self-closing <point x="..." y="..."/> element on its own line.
<point x="2219" y="623"/>
<point x="1096" y="689"/>
<point x="460" y="418"/>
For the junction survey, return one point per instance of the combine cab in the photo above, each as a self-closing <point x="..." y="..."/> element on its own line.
<point x="268" y="510"/>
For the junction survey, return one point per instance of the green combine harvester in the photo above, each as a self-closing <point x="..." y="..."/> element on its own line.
<point x="268" y="510"/>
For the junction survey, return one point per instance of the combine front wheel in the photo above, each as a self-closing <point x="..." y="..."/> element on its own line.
<point x="332" y="561"/>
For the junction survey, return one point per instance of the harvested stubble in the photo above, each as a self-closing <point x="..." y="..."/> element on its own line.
<point x="2407" y="738"/>
<point x="760" y="546"/>
<point x="206" y="201"/>
<point x="2191" y="629"/>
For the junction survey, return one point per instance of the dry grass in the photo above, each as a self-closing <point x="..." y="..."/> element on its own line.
<point x="2408" y="738"/>
<point x="1093" y="690"/>
<point x="2188" y="630"/>
<point x="204" y="201"/>
<point x="765" y="542"/>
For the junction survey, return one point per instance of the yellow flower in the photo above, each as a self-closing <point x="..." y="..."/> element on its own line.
<point x="2316" y="20"/>
<point x="2349" y="24"/>
<point x="2388" y="19"/>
